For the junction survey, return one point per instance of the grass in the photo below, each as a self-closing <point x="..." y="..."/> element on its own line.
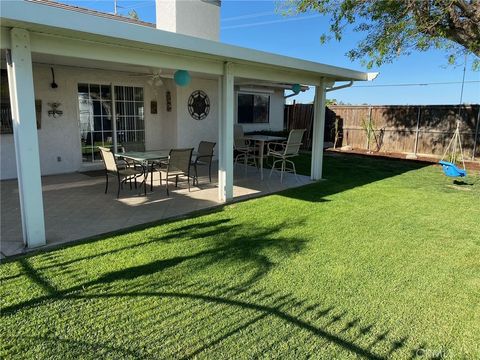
<point x="380" y="260"/>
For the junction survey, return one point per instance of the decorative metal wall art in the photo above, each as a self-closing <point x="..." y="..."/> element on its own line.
<point x="153" y="107"/>
<point x="199" y="105"/>
<point x="168" y="96"/>
<point x="54" y="110"/>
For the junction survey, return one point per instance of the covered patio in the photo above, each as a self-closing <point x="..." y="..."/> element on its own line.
<point x="77" y="208"/>
<point x="52" y="210"/>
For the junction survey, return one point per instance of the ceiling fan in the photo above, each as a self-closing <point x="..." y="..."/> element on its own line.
<point x="155" y="78"/>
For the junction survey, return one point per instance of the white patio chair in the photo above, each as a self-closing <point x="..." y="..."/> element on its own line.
<point x="243" y="148"/>
<point x="123" y="173"/>
<point x="283" y="152"/>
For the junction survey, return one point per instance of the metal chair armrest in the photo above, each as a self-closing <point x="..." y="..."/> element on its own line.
<point x="271" y="144"/>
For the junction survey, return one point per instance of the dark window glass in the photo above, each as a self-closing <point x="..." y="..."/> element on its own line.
<point x="253" y="108"/>
<point x="95" y="92"/>
<point x="83" y="89"/>
<point x="106" y="92"/>
<point x="139" y="94"/>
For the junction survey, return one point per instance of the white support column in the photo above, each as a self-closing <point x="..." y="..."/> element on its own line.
<point x="225" y="136"/>
<point x="318" y="132"/>
<point x="22" y="100"/>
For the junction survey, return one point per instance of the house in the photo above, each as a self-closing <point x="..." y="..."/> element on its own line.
<point x="70" y="71"/>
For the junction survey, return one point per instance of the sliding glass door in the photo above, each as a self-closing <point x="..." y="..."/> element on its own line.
<point x="96" y="127"/>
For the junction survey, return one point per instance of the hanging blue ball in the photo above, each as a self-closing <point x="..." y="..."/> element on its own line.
<point x="296" y="88"/>
<point x="182" y="77"/>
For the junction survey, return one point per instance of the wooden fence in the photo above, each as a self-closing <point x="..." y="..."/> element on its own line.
<point x="424" y="130"/>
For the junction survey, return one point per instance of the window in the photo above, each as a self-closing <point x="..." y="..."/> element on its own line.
<point x="6" y="126"/>
<point x="6" y="114"/>
<point x="253" y="108"/>
<point x="96" y="128"/>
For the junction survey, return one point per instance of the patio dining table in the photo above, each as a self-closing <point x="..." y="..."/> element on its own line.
<point x="261" y="140"/>
<point x="146" y="159"/>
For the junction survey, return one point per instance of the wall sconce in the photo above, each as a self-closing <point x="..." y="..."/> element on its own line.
<point x="54" y="111"/>
<point x="53" y="85"/>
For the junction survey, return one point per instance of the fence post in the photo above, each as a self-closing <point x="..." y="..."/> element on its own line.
<point x="476" y="135"/>
<point x="417" y="131"/>
<point x="369" y="128"/>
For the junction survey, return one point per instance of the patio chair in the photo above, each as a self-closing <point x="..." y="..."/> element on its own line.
<point x="179" y="163"/>
<point x="204" y="157"/>
<point x="243" y="148"/>
<point x="123" y="174"/>
<point x="282" y="152"/>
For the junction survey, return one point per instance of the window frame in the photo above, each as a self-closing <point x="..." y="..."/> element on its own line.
<point x="136" y="118"/>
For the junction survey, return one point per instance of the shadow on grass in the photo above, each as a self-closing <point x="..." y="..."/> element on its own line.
<point x="241" y="308"/>
<point x="232" y="245"/>
<point x="307" y="324"/>
<point x="343" y="172"/>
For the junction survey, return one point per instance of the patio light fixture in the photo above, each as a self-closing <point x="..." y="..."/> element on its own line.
<point x="182" y="77"/>
<point x="296" y="88"/>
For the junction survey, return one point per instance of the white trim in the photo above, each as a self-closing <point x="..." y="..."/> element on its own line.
<point x="46" y="19"/>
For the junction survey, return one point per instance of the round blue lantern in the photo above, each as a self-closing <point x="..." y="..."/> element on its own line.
<point x="296" y="88"/>
<point x="182" y="77"/>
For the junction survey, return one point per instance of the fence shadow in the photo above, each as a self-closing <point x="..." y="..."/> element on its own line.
<point x="343" y="172"/>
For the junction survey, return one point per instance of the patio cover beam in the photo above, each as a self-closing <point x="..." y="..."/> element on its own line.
<point x="91" y="50"/>
<point x="266" y="73"/>
<point x="22" y="100"/>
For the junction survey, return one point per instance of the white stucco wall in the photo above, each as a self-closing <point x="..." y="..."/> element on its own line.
<point x="277" y="104"/>
<point x="190" y="131"/>
<point x="60" y="137"/>
<point x="190" y="17"/>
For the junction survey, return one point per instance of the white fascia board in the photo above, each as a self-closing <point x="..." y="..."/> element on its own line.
<point x="44" y="18"/>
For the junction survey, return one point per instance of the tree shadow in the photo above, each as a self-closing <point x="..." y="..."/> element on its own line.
<point x="436" y="125"/>
<point x="244" y="313"/>
<point x="232" y="244"/>
<point x="395" y="127"/>
<point x="243" y="309"/>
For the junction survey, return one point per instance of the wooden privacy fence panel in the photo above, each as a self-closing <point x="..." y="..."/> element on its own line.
<point x="300" y="116"/>
<point x="425" y="130"/>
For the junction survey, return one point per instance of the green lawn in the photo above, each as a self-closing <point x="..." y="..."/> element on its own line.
<point x="380" y="260"/>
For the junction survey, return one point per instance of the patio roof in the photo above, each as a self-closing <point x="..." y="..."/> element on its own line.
<point x="33" y="30"/>
<point x="42" y="20"/>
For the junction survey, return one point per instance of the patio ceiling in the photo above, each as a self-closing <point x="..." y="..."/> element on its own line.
<point x="63" y="32"/>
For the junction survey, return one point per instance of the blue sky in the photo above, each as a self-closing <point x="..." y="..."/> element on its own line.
<point x="257" y="24"/>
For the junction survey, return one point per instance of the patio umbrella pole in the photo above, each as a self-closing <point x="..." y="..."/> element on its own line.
<point x="114" y="119"/>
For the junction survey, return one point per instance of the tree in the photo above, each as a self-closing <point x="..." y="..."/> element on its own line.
<point x="331" y="102"/>
<point x="133" y="14"/>
<point x="397" y="27"/>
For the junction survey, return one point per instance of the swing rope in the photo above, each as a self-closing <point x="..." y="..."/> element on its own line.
<point x="457" y="144"/>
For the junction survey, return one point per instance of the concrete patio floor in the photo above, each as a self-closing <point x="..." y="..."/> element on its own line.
<point x="77" y="208"/>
